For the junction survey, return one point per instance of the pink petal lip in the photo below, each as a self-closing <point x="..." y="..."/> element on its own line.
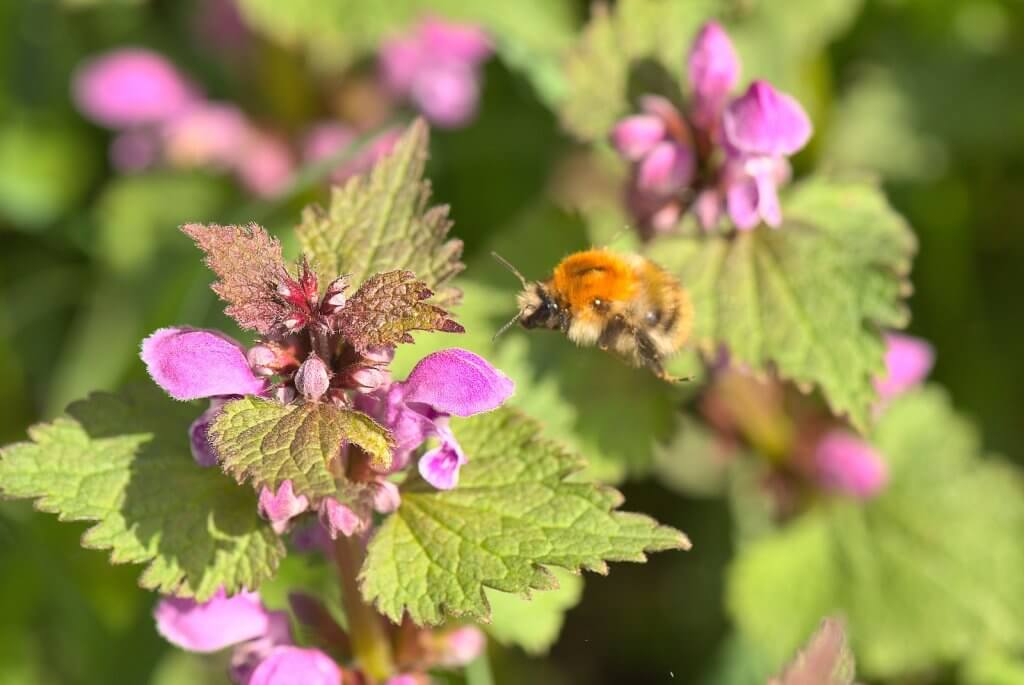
<point x="213" y="625"/>
<point x="191" y="363"/>
<point x="764" y="121"/>
<point x="458" y="382"/>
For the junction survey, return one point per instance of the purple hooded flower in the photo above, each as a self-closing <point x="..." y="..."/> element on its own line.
<point x="338" y="518"/>
<point x="288" y="665"/>
<point x="219" y="622"/>
<point x="198" y="434"/>
<point x="437" y="66"/>
<point x="908" y="360"/>
<point x="190" y="364"/>
<point x="452" y="382"/>
<point x="205" y="134"/>
<point x="725" y="156"/>
<point x="130" y="87"/>
<point x="765" y="122"/>
<point x="713" y="70"/>
<point x="280" y="508"/>
<point x="845" y="463"/>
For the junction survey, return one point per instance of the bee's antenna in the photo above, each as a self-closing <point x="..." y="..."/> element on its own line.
<point x="522" y="279"/>
<point x="506" y="326"/>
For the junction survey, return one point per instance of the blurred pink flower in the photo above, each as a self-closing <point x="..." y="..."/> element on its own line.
<point x="437" y="66"/>
<point x="908" y="360"/>
<point x="265" y="164"/>
<point x="129" y="87"/>
<point x="845" y="463"/>
<point x="220" y="622"/>
<point x="324" y="140"/>
<point x="206" y="133"/>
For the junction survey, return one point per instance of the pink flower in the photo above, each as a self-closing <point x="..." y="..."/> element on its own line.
<point x="205" y="134"/>
<point x="190" y="364"/>
<point x="713" y="70"/>
<point x="847" y="464"/>
<point x="198" y="434"/>
<point x="437" y="66"/>
<point x="129" y="87"/>
<point x="908" y="361"/>
<point x="766" y="122"/>
<point x="740" y="146"/>
<point x="280" y="508"/>
<point x="446" y="383"/>
<point x="460" y="646"/>
<point x="219" y="622"/>
<point x="134" y="150"/>
<point x="340" y="518"/>
<point x="287" y="665"/>
<point x="265" y="164"/>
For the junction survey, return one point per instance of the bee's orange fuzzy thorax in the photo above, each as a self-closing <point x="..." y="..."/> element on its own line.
<point x="583" y="277"/>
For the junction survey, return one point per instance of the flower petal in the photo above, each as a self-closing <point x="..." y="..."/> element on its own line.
<point x="213" y="625"/>
<point x="908" y="360"/>
<point x="190" y="364"/>
<point x="847" y="464"/>
<point x="666" y="169"/>
<point x="742" y="203"/>
<point x="446" y="93"/>
<point x="282" y="507"/>
<point x="287" y="665"/>
<point x="764" y="121"/>
<point x="198" y="434"/>
<point x="635" y="136"/>
<point x="339" y="518"/>
<point x="713" y="70"/>
<point x="130" y="87"/>
<point x="460" y="646"/>
<point x="456" y="381"/>
<point x="440" y="466"/>
<point x="466" y="43"/>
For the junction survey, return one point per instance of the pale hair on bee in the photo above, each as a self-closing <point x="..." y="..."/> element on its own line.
<point x="623" y="303"/>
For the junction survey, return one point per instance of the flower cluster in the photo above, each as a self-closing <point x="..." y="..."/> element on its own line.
<point x="437" y="67"/>
<point x="719" y="155"/>
<point x="162" y="118"/>
<point x="264" y="651"/>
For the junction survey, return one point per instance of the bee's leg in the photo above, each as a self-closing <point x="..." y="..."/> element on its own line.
<point x="650" y="358"/>
<point x="610" y="337"/>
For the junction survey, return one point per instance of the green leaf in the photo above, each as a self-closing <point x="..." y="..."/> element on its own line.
<point x="533" y="623"/>
<point x="513" y="513"/>
<point x="124" y="461"/>
<point x="993" y="667"/>
<point x="387" y="308"/>
<point x="576" y="389"/>
<point x="268" y="443"/>
<point x="380" y="221"/>
<point x="808" y="299"/>
<point x="619" y="52"/>
<point x="923" y="573"/>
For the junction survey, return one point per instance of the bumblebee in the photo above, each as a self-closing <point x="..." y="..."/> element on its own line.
<point x="625" y="304"/>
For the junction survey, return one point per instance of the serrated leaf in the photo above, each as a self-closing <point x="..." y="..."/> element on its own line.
<point x="808" y="299"/>
<point x="512" y="514"/>
<point x="923" y="573"/>
<point x="267" y="442"/>
<point x="124" y="461"/>
<point x="533" y="623"/>
<point x="387" y="307"/>
<point x="248" y="262"/>
<point x="381" y="221"/>
<point x="826" y="660"/>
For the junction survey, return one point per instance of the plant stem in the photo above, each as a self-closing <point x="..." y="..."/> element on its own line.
<point x="370" y="643"/>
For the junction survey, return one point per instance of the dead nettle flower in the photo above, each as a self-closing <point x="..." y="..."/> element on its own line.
<point x="721" y="155"/>
<point x="451" y="382"/>
<point x="437" y="66"/>
<point x="319" y="343"/>
<point x="264" y="650"/>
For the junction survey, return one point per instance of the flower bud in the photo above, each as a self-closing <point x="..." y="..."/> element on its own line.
<point x="713" y="69"/>
<point x="635" y="136"/>
<point x="386" y="497"/>
<point x="382" y="354"/>
<point x="368" y="378"/>
<point x="281" y="507"/>
<point x="263" y="360"/>
<point x="460" y="646"/>
<point x="666" y="169"/>
<point x="339" y="518"/>
<point x="334" y="297"/>
<point x="285" y="394"/>
<point x="848" y="464"/>
<point x="312" y="379"/>
<point x="295" y="322"/>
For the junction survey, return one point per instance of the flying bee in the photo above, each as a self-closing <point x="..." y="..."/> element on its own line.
<point x="625" y="304"/>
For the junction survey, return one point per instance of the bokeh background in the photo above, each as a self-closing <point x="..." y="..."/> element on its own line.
<point x="927" y="93"/>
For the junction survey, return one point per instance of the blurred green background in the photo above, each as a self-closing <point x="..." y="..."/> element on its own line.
<point x="927" y="93"/>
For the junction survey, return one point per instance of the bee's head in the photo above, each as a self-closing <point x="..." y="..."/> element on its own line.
<point x="537" y="309"/>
